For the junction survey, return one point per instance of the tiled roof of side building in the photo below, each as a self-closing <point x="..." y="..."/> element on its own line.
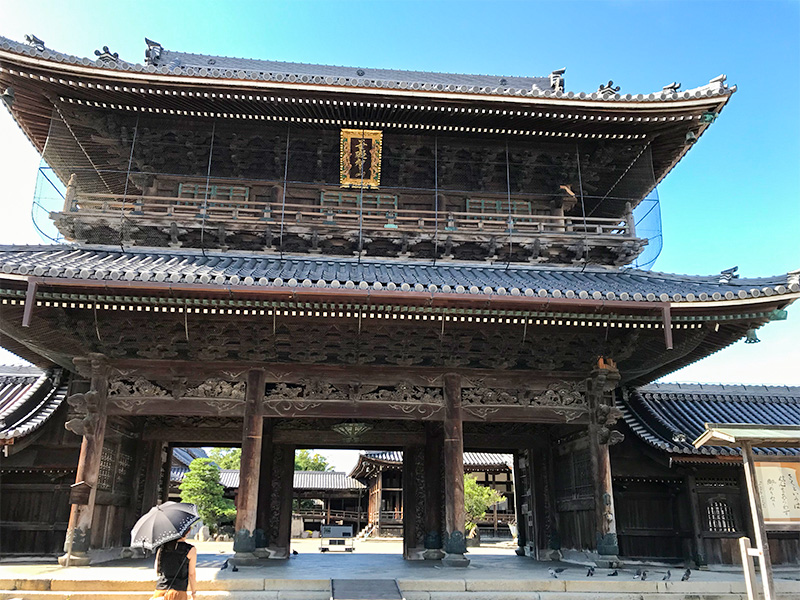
<point x="471" y="459"/>
<point x="161" y="265"/>
<point x="303" y="480"/>
<point x="185" y="456"/>
<point x="671" y="416"/>
<point x="28" y="398"/>
<point x="167" y="62"/>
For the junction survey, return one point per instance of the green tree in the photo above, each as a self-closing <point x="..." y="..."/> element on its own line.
<point x="226" y="458"/>
<point x="305" y="461"/>
<point x="477" y="499"/>
<point x="201" y="487"/>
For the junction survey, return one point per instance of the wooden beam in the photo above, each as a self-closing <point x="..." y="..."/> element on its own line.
<point x="455" y="542"/>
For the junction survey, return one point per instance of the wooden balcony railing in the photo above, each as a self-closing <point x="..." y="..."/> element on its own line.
<point x="242" y="215"/>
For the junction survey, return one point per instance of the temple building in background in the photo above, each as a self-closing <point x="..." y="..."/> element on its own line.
<point x="290" y="256"/>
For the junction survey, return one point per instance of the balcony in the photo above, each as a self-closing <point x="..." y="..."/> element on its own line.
<point x="347" y="223"/>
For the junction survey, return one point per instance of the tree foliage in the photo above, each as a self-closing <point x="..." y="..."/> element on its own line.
<point x="201" y="487"/>
<point x="477" y="499"/>
<point x="226" y="458"/>
<point x="305" y="461"/>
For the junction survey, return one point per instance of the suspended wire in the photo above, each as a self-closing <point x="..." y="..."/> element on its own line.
<point x="510" y="217"/>
<point x="283" y="194"/>
<point x="436" y="199"/>
<point x="50" y="181"/>
<point x="127" y="180"/>
<point x="361" y="202"/>
<point x="583" y="210"/>
<point x="205" y="196"/>
<point x="616" y="183"/>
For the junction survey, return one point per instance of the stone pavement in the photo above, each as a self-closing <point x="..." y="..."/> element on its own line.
<point x="494" y="574"/>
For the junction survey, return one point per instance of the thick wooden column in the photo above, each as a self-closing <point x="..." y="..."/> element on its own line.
<point x="698" y="543"/>
<point x="413" y="502"/>
<point x="434" y="495"/>
<point x="244" y="541"/>
<point x="166" y="473"/>
<point x="523" y="498"/>
<point x="92" y="427"/>
<point x="605" y="520"/>
<point x="280" y="523"/>
<point x="155" y="462"/>
<point x="454" y="517"/>
<point x="264" y="490"/>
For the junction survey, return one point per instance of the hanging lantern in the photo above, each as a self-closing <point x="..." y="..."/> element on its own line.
<point x="751" y="337"/>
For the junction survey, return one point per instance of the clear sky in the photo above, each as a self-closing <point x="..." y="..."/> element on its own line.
<point x="733" y="200"/>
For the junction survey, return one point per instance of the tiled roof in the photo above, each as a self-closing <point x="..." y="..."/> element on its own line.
<point x="303" y="480"/>
<point x="28" y="398"/>
<point x="325" y="480"/>
<point x="185" y="456"/>
<point x="221" y="67"/>
<point x="471" y="459"/>
<point x="108" y="263"/>
<point x="671" y="416"/>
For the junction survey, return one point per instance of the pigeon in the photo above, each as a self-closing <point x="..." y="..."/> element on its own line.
<point x="554" y="572"/>
<point x="638" y="574"/>
<point x="686" y="575"/>
<point x="614" y="574"/>
<point x="235" y="569"/>
<point x="644" y="575"/>
<point x="224" y="566"/>
<point x="295" y="552"/>
<point x="667" y="576"/>
<point x="590" y="572"/>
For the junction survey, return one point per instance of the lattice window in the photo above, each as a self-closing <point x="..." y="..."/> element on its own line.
<point x="124" y="466"/>
<point x="573" y="476"/>
<point x="106" y="475"/>
<point x="348" y="202"/>
<point x="498" y="207"/>
<point x="234" y="194"/>
<point x="720" y="516"/>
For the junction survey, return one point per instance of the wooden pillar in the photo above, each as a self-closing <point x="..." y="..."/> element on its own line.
<point x="155" y="460"/>
<point x="433" y="491"/>
<point x="605" y="520"/>
<point x="454" y="516"/>
<point x="413" y="502"/>
<point x="762" y="544"/>
<point x="93" y="404"/>
<point x="244" y="542"/>
<point x="166" y="474"/>
<point x="280" y="524"/>
<point x="264" y="490"/>
<point x="698" y="544"/>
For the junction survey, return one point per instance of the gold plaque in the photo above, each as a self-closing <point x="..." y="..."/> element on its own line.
<point x="360" y="158"/>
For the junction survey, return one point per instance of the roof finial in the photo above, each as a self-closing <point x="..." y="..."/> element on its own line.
<point x="672" y="87"/>
<point x="34" y="41"/>
<point x="608" y="89"/>
<point x="728" y="274"/>
<point x="153" y="52"/>
<point x="557" y="80"/>
<point x="106" y="54"/>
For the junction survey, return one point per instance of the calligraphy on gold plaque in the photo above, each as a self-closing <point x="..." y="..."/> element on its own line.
<point x="360" y="158"/>
<point x="779" y="489"/>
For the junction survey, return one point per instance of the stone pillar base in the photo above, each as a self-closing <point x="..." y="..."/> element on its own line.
<point x="261" y="553"/>
<point x="244" y="559"/>
<point x="433" y="554"/>
<point x="278" y="552"/>
<point x="76" y="559"/>
<point x="608" y="561"/>
<point x="455" y="560"/>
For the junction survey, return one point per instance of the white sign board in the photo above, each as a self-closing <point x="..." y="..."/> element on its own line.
<point x="779" y="488"/>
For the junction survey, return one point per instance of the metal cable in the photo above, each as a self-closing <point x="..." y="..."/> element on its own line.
<point x="361" y="209"/>
<point x="283" y="194"/>
<point x="205" y="196"/>
<point x="127" y="180"/>
<point x="583" y="209"/>
<point x="435" y="198"/>
<point x="510" y="218"/>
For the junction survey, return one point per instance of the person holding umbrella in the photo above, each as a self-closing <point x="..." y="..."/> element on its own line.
<point x="164" y="527"/>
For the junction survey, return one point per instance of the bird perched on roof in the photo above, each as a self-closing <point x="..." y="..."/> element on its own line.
<point x="614" y="574"/>
<point x="667" y="575"/>
<point x="554" y="572"/>
<point x="590" y="572"/>
<point x="686" y="575"/>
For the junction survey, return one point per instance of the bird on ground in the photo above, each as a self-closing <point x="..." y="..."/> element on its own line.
<point x="638" y="574"/>
<point x="686" y="575"/>
<point x="614" y="574"/>
<point x="644" y="575"/>
<point x="295" y="552"/>
<point x="224" y="566"/>
<point x="554" y="572"/>
<point x="667" y="576"/>
<point x="235" y="569"/>
<point x="590" y="572"/>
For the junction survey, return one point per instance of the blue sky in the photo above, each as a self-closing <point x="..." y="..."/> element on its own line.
<point x="733" y="200"/>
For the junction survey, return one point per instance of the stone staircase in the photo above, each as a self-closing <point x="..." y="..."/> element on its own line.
<point x="251" y="587"/>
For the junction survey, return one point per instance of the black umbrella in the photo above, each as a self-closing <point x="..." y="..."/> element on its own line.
<point x="163" y="523"/>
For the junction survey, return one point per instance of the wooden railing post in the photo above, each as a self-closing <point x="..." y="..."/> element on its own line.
<point x="70" y="203"/>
